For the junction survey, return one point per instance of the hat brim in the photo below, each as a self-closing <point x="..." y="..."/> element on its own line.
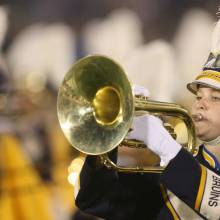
<point x="193" y="86"/>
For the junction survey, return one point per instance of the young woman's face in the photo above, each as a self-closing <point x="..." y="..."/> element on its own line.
<point x="207" y="105"/>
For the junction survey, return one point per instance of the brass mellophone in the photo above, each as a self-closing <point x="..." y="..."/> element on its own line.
<point x="96" y="106"/>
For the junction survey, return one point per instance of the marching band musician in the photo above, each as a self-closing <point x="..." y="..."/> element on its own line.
<point x="188" y="188"/>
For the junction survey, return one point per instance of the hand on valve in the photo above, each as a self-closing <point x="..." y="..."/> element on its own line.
<point x="150" y="130"/>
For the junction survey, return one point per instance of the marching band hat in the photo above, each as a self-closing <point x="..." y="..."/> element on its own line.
<point x="210" y="75"/>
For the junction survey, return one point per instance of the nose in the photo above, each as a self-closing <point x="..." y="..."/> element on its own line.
<point x="202" y="104"/>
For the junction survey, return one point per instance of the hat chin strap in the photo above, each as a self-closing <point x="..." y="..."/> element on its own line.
<point x="213" y="142"/>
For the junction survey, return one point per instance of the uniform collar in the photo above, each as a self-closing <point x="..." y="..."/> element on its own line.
<point x="210" y="158"/>
<point x="213" y="142"/>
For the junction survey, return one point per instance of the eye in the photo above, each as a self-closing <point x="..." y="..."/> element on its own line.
<point x="216" y="98"/>
<point x="198" y="97"/>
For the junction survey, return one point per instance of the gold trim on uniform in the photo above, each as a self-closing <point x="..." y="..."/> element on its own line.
<point x="208" y="158"/>
<point x="168" y="203"/>
<point x="201" y="188"/>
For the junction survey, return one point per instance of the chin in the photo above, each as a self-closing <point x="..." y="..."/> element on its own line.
<point x="205" y="138"/>
<point x="202" y="137"/>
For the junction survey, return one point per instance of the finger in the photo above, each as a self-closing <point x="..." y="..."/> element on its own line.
<point x="130" y="135"/>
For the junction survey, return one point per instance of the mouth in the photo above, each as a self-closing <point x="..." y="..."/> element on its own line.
<point x="197" y="117"/>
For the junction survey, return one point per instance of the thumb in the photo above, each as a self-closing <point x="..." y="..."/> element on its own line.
<point x="131" y="135"/>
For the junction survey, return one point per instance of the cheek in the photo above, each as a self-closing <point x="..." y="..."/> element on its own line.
<point x="214" y="119"/>
<point x="193" y="108"/>
<point x="216" y="125"/>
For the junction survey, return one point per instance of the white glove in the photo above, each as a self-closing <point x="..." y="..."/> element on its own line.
<point x="150" y="130"/>
<point x="140" y="90"/>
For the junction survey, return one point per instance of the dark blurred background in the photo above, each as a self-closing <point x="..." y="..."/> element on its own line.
<point x="162" y="44"/>
<point x="159" y="17"/>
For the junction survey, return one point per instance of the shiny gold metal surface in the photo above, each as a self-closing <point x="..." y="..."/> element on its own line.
<point x="95" y="109"/>
<point x="95" y="105"/>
